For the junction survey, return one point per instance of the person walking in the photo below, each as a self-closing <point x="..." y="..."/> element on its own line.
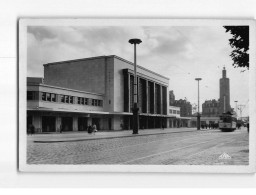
<point x="163" y="126"/>
<point x="60" y="128"/>
<point x="32" y="129"/>
<point x="94" y="129"/>
<point x="89" y="129"/>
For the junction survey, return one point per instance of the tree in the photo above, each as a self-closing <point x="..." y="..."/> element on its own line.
<point x="240" y="44"/>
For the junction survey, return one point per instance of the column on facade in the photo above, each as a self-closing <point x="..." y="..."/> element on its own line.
<point x="128" y="95"/>
<point x="161" y="100"/>
<point x="37" y="122"/>
<point x="58" y="123"/>
<point x="75" y="123"/>
<point x="127" y="88"/>
<point x="155" y="98"/>
<point x="148" y="97"/>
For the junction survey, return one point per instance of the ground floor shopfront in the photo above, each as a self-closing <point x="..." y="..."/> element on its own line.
<point x="209" y="121"/>
<point x="50" y="122"/>
<point x="178" y="122"/>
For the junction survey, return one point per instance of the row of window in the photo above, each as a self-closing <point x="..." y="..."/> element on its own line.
<point x="210" y="105"/>
<point x="52" y="97"/>
<point x="174" y="111"/>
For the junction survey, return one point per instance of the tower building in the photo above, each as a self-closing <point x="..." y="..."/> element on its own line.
<point x="224" y="93"/>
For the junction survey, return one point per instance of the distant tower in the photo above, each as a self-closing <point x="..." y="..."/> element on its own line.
<point x="171" y="98"/>
<point x="224" y="93"/>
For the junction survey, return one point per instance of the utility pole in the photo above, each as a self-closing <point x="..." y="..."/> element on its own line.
<point x="240" y="108"/>
<point x="236" y="109"/>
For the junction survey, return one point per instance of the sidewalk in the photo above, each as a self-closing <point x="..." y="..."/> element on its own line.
<point x="82" y="136"/>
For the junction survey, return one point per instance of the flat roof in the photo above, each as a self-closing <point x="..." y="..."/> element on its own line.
<point x="99" y="57"/>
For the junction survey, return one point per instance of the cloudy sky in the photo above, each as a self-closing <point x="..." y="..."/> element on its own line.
<point x="179" y="53"/>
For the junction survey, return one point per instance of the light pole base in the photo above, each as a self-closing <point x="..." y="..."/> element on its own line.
<point x="198" y="122"/>
<point x="135" y="119"/>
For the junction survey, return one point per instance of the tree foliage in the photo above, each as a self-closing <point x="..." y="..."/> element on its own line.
<point x="240" y="44"/>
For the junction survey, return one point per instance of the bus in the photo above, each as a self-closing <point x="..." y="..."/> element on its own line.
<point x="227" y="122"/>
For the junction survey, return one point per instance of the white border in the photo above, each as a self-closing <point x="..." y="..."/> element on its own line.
<point x="23" y="23"/>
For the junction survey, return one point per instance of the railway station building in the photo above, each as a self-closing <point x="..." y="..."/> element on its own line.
<point x="76" y="93"/>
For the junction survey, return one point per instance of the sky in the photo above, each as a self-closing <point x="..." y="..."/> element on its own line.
<point x="181" y="53"/>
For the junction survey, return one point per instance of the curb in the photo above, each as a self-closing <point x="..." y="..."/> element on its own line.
<point x="112" y="137"/>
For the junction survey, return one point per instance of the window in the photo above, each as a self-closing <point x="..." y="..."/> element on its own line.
<point x="66" y="99"/>
<point x="86" y="101"/>
<point x="174" y="111"/>
<point x="82" y="102"/>
<point x="43" y="96"/>
<point x="48" y="97"/>
<point x="79" y="100"/>
<point x="170" y="111"/>
<point x="93" y="102"/>
<point x="53" y="97"/>
<point x="71" y="99"/>
<point x="62" y="98"/>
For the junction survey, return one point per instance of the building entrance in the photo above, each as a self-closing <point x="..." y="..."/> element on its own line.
<point x="82" y="123"/>
<point x="48" y="124"/>
<point x="67" y="123"/>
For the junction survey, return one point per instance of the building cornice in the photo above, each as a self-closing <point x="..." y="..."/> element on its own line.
<point x="99" y="57"/>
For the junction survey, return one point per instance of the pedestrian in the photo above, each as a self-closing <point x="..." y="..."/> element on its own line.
<point x="94" y="129"/>
<point x="89" y="129"/>
<point x="60" y="128"/>
<point x="163" y="126"/>
<point x="32" y="129"/>
<point x="248" y="127"/>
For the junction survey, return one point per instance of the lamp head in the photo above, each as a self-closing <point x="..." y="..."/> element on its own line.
<point x="135" y="41"/>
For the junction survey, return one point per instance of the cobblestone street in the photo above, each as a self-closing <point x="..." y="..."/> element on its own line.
<point x="154" y="147"/>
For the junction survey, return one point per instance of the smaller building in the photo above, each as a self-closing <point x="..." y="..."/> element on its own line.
<point x="211" y="108"/>
<point x="175" y="120"/>
<point x="185" y="107"/>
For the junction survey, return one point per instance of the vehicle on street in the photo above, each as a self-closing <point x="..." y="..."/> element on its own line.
<point x="227" y="122"/>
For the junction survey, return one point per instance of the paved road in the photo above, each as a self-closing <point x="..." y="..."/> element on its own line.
<point x="184" y="148"/>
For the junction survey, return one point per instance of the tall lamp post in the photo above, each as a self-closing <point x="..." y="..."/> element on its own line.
<point x="198" y="113"/>
<point x="135" y="105"/>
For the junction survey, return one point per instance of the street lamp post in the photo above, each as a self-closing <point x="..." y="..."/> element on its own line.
<point x="198" y="113"/>
<point x="135" y="105"/>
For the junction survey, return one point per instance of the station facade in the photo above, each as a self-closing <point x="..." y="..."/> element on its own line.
<point x="77" y="93"/>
